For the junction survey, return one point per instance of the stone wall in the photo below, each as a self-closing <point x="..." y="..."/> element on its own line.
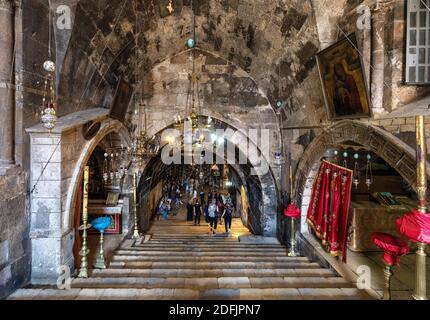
<point x="14" y="227"/>
<point x="57" y="163"/>
<point x="271" y="40"/>
<point x="382" y="48"/>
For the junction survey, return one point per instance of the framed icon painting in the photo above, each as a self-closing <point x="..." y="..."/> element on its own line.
<point x="343" y="80"/>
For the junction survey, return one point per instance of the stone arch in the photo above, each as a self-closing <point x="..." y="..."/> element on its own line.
<point x="249" y="108"/>
<point x="270" y="194"/>
<point x="395" y="152"/>
<point x="108" y="126"/>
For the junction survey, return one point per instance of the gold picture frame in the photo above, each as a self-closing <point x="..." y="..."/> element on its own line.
<point x="343" y="80"/>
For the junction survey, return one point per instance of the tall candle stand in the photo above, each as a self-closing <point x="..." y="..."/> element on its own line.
<point x="136" y="234"/>
<point x="420" y="270"/>
<point x="83" y="271"/>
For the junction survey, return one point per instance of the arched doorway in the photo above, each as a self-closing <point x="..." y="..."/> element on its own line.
<point x="373" y="208"/>
<point x="249" y="180"/>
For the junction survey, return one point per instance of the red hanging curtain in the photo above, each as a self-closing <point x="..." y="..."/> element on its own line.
<point x="328" y="213"/>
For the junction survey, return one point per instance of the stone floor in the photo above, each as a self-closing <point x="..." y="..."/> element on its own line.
<point x="183" y="261"/>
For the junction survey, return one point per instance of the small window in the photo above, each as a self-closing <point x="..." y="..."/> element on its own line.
<point x="418" y="42"/>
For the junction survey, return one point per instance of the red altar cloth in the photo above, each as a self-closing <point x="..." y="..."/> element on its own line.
<point x="393" y="247"/>
<point x="328" y="213"/>
<point x="415" y="225"/>
<point x="292" y="211"/>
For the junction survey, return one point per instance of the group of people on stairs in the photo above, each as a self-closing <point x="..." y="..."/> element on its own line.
<point x="217" y="209"/>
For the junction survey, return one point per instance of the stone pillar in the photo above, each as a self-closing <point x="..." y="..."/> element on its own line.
<point x="49" y="239"/>
<point x="6" y="81"/>
<point x="378" y="60"/>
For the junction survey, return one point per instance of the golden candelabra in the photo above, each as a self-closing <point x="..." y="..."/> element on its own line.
<point x="388" y="273"/>
<point x="100" y="260"/>
<point x="292" y="252"/>
<point x="420" y="271"/>
<point x="83" y="271"/>
<point x="136" y="234"/>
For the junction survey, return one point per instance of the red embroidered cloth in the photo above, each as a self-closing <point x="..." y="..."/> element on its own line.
<point x="415" y="225"/>
<point x="393" y="247"/>
<point x="328" y="213"/>
<point x="292" y="211"/>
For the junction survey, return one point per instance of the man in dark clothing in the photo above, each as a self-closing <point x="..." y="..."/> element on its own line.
<point x="227" y="215"/>
<point x="202" y="197"/>
<point x="190" y="211"/>
<point x="197" y="213"/>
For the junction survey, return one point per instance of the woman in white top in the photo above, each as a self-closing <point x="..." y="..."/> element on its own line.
<point x="213" y="212"/>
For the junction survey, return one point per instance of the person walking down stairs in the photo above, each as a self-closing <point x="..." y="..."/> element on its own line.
<point x="197" y="212"/>
<point x="190" y="210"/>
<point x="227" y="215"/>
<point x="213" y="213"/>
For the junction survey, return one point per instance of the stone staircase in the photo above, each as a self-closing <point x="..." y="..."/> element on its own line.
<point x="201" y="266"/>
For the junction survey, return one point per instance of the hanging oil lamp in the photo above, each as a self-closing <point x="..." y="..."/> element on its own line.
<point x="336" y="153"/>
<point x="106" y="168"/>
<point x="345" y="161"/>
<point x="49" y="115"/>
<point x="369" y="175"/>
<point x="356" y="174"/>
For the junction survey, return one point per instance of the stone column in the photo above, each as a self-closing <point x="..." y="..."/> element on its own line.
<point x="6" y="81"/>
<point x="378" y="60"/>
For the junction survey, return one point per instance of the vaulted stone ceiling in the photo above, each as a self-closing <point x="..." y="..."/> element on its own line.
<point x="265" y="38"/>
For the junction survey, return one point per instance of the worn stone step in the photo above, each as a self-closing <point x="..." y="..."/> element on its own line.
<point x="187" y="294"/>
<point x="211" y="265"/>
<point x="205" y="258"/>
<point x="207" y="246"/>
<point x="194" y="273"/>
<point x="220" y="234"/>
<point x="225" y="253"/>
<point x="202" y="283"/>
<point x="189" y="242"/>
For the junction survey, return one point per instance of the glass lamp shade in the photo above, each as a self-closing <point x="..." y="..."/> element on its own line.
<point x="49" y="66"/>
<point x="191" y="43"/>
<point x="49" y="117"/>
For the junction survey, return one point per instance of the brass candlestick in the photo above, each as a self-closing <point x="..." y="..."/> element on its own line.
<point x="388" y="273"/>
<point x="136" y="234"/>
<point x="293" y="241"/>
<point x="292" y="252"/>
<point x="420" y="271"/>
<point x="83" y="271"/>
<point x="100" y="261"/>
